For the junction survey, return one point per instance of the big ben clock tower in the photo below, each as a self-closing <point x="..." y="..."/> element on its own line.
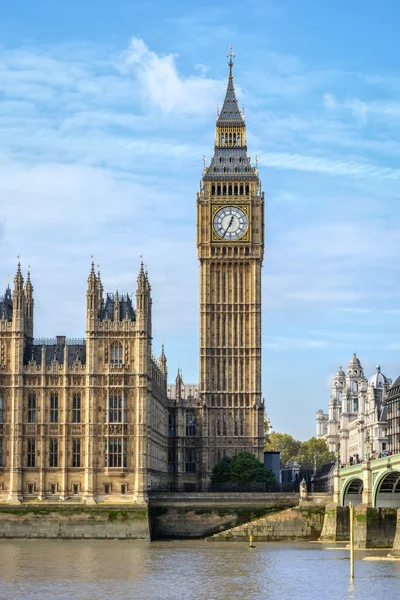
<point x="230" y="242"/>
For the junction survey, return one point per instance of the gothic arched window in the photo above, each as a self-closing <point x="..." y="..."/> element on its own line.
<point x="213" y="190"/>
<point x="247" y="190"/>
<point x="230" y="138"/>
<point x="230" y="190"/>
<point x="116" y="353"/>
<point x="222" y="139"/>
<point x="218" y="190"/>
<point x="238" y="140"/>
<point x="241" y="189"/>
<point x="234" y="139"/>
<point x="224" y="190"/>
<point x="236" y="190"/>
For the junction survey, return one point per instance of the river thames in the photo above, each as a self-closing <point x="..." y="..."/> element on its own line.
<point x="186" y="570"/>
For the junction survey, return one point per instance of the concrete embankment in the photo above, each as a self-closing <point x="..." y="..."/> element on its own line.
<point x="299" y="523"/>
<point x="74" y="521"/>
<point x="373" y="527"/>
<point x="194" y="515"/>
<point x="395" y="551"/>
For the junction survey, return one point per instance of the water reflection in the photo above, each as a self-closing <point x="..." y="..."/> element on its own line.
<point x="85" y="570"/>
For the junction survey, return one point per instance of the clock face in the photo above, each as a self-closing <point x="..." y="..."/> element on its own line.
<point x="230" y="223"/>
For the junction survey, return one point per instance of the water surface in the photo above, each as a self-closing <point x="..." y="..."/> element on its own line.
<point x="188" y="570"/>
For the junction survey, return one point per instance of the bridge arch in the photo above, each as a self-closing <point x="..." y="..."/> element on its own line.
<point x="352" y="492"/>
<point x="386" y="491"/>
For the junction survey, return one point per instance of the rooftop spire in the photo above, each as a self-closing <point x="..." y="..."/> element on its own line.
<point x="230" y="113"/>
<point x="231" y="56"/>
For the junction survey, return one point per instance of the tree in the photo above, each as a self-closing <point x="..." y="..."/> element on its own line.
<point x="285" y="444"/>
<point x="242" y="468"/>
<point x="314" y="452"/>
<point x="221" y="471"/>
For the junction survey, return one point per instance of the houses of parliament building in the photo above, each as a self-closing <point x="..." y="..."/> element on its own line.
<point x="94" y="419"/>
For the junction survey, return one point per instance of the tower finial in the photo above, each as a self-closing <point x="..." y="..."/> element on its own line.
<point x="231" y="56"/>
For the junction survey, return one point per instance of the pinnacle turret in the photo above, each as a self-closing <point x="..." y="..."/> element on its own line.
<point x="18" y="280"/>
<point x="116" y="306"/>
<point x="163" y="360"/>
<point x="28" y="286"/>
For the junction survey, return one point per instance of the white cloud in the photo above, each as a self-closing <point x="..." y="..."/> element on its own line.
<point x="165" y="88"/>
<point x="299" y="162"/>
<point x="284" y="343"/>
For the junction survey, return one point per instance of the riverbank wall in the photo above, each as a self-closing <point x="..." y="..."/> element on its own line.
<point x="196" y="515"/>
<point x="299" y="523"/>
<point x="170" y="515"/>
<point x="74" y="521"/>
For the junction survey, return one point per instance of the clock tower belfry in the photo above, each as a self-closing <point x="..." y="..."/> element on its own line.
<point x="230" y="242"/>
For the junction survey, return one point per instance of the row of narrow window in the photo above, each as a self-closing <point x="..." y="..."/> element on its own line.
<point x="116" y="408"/>
<point x="53" y="452"/>
<point x="189" y="459"/>
<point x="54" y="413"/>
<point x="238" y="425"/>
<point x="115" y="452"/>
<point x="230" y="139"/>
<point x="227" y="190"/>
<point x="190" y="424"/>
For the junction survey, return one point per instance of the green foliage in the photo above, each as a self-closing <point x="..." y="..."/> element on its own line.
<point x="285" y="444"/>
<point x="304" y="453"/>
<point x="242" y="468"/>
<point x="221" y="472"/>
<point x="314" y="450"/>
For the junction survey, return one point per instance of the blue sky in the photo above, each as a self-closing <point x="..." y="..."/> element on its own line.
<point x="106" y="109"/>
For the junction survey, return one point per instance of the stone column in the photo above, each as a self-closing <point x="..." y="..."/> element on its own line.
<point x="336" y="487"/>
<point x="63" y="430"/>
<point x="367" y="483"/>
<point x="41" y="412"/>
<point x="395" y="551"/>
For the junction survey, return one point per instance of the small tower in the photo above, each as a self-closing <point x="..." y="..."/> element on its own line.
<point x="100" y="295"/>
<point x="18" y="301"/>
<point x="116" y="307"/>
<point x="17" y="390"/>
<point x="143" y="301"/>
<point x="91" y="301"/>
<point x="29" y="302"/>
<point x="163" y="364"/>
<point x="178" y="386"/>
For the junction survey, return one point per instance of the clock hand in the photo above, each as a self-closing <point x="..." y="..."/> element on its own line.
<point x="230" y="223"/>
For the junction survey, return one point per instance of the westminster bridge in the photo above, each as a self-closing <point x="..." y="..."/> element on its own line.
<point x="374" y="483"/>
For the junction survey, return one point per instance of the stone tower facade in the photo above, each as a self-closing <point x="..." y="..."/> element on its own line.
<point x="84" y="419"/>
<point x="230" y="242"/>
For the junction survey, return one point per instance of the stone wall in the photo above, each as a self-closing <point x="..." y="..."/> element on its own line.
<point x="336" y="526"/>
<point x="395" y="551"/>
<point x="70" y="522"/>
<point x="299" y="523"/>
<point x="374" y="527"/>
<point x="194" y="515"/>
